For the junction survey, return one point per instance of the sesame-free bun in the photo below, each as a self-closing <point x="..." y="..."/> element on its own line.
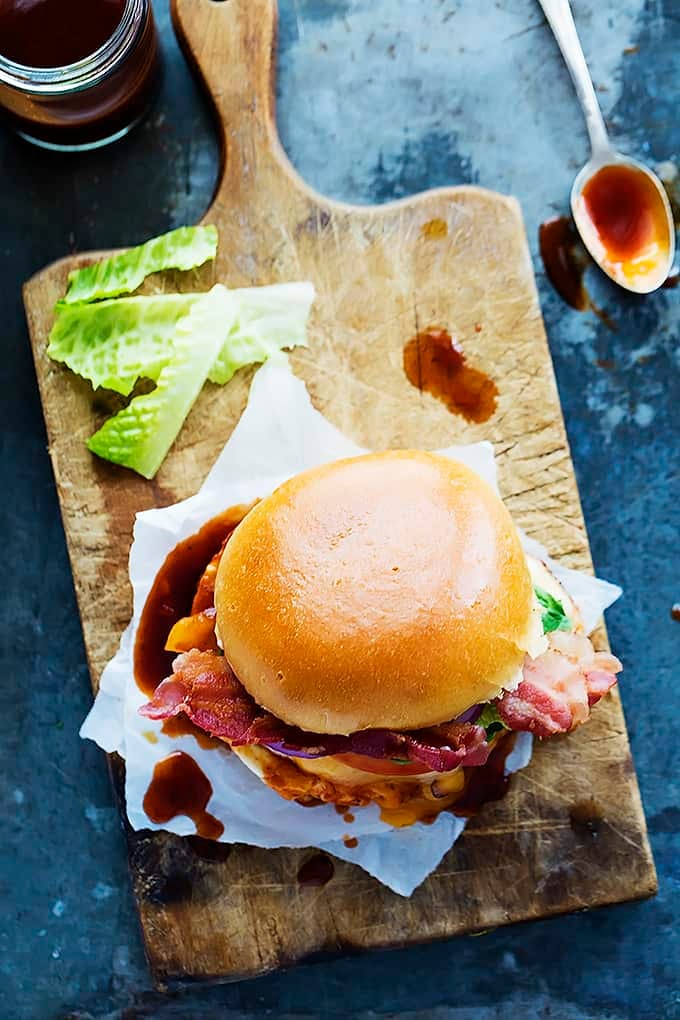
<point x="388" y="590"/>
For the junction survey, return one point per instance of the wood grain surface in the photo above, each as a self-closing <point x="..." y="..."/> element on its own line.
<point x="571" y="833"/>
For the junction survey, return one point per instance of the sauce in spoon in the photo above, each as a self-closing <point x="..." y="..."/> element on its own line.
<point x="623" y="219"/>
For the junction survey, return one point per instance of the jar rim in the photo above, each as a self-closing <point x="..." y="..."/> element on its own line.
<point x="81" y="74"/>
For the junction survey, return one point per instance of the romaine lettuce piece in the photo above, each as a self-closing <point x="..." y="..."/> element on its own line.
<point x="114" y="343"/>
<point x="267" y="319"/>
<point x="184" y="248"/>
<point x="140" y="435"/>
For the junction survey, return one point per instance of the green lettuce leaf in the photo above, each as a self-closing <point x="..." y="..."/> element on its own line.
<point x="267" y="319"/>
<point x="553" y="616"/>
<point x="114" y="343"/>
<point x="140" y="435"/>
<point x="491" y="721"/>
<point x="184" y="248"/>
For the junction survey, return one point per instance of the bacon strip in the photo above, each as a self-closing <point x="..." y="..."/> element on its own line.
<point x="204" y="687"/>
<point x="559" y="688"/>
<point x="555" y="694"/>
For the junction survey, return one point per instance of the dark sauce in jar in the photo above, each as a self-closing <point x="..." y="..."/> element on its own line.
<point x="76" y="74"/>
<point x="172" y="596"/>
<point x="180" y="787"/>
<point x="52" y="33"/>
<point x="433" y="362"/>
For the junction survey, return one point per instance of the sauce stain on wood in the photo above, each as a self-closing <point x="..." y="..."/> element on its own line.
<point x="434" y="363"/>
<point x="675" y="611"/>
<point x="172" y="595"/>
<point x="180" y="787"/>
<point x="435" y="230"/>
<point x="317" y="870"/>
<point x="586" y="819"/>
<point x="209" y="849"/>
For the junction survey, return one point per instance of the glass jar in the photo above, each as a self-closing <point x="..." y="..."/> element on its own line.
<point x="92" y="101"/>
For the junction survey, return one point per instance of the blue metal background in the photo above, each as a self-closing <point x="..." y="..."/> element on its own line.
<point x="377" y="99"/>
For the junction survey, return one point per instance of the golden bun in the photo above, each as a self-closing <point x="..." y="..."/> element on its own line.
<point x="388" y="590"/>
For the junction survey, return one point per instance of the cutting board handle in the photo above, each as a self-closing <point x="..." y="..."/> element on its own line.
<point x="232" y="45"/>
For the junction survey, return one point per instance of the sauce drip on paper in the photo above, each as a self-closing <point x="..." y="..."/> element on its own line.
<point x="433" y="362"/>
<point x="180" y="787"/>
<point x="172" y="595"/>
<point x="181" y="726"/>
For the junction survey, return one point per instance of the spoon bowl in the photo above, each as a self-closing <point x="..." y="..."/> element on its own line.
<point x="624" y="217"/>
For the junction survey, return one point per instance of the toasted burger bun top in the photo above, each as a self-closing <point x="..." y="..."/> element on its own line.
<point x="388" y="590"/>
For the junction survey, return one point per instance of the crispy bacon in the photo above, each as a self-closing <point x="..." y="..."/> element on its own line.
<point x="558" y="688"/>
<point x="204" y="687"/>
<point x="555" y="694"/>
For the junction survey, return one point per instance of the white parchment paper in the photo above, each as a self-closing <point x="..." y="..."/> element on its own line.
<point x="279" y="435"/>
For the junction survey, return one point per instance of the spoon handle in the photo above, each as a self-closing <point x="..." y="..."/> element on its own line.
<point x="561" y="21"/>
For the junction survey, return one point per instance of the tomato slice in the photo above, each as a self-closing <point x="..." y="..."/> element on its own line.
<point x="381" y="766"/>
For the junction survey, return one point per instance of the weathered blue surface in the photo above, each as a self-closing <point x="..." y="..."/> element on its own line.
<point x="377" y="99"/>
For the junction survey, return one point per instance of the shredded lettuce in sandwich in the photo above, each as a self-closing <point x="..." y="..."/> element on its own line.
<point x="184" y="248"/>
<point x="491" y="721"/>
<point x="553" y="615"/>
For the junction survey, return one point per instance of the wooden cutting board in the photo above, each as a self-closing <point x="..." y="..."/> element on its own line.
<point x="571" y="833"/>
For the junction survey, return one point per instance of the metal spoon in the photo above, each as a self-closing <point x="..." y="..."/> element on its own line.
<point x="640" y="271"/>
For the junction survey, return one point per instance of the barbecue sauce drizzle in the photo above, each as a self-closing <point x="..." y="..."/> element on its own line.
<point x="172" y="596"/>
<point x="179" y="786"/>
